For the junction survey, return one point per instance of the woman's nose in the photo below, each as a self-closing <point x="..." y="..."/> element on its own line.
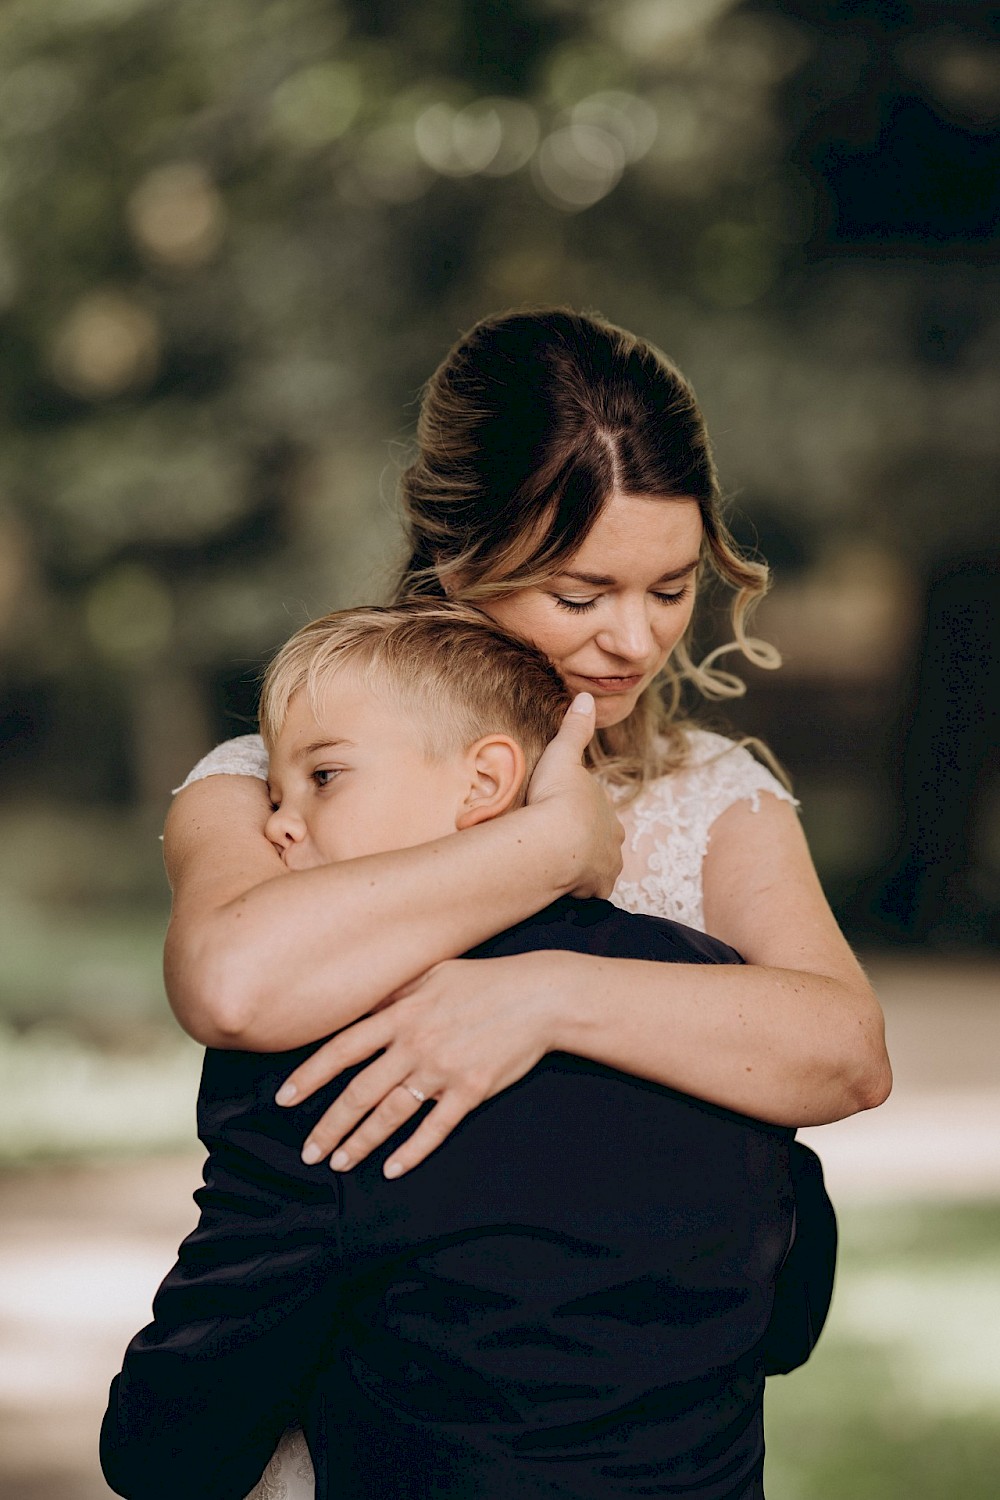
<point x="629" y="635"/>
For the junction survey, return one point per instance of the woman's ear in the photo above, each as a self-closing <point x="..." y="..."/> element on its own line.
<point x="496" y="779"/>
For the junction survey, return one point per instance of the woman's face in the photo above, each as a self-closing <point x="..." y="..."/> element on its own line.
<point x="609" y="620"/>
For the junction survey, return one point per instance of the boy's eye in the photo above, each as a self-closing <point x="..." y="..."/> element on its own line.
<point x="324" y="776"/>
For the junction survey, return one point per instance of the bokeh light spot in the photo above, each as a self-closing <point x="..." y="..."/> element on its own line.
<point x="317" y="104"/>
<point x="519" y="135"/>
<point x="578" y="165"/>
<point x="108" y="344"/>
<point x="477" y="134"/>
<point x="494" y="136"/>
<point x="631" y="120"/>
<point x="177" y="216"/>
<point x="650" y="29"/>
<point x="434" y="136"/>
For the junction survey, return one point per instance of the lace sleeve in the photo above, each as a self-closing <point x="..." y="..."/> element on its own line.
<point x="668" y="827"/>
<point x="243" y="756"/>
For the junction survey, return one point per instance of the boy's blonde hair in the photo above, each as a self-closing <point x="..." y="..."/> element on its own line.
<point x="449" y="666"/>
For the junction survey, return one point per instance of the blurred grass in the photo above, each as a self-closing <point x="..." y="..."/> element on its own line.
<point x="64" y="1098"/>
<point x="91" y="1059"/>
<point x="902" y="1399"/>
<point x="83" y="907"/>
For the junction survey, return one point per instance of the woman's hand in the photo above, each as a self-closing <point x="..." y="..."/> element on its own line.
<point x="458" y="1035"/>
<point x="560" y="781"/>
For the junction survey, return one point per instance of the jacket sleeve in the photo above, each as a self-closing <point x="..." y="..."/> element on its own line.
<point x="242" y="1322"/>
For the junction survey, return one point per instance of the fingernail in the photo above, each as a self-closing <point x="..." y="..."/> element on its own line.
<point x="392" y="1169"/>
<point x="339" y="1160"/>
<point x="311" y="1154"/>
<point x="286" y="1094"/>
<point x="583" y="703"/>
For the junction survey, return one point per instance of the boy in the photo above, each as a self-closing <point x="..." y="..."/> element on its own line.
<point x="570" y="1296"/>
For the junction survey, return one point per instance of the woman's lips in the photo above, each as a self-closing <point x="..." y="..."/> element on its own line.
<point x="614" y="684"/>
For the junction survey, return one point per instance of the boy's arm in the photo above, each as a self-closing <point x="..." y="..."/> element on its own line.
<point x="245" y="1318"/>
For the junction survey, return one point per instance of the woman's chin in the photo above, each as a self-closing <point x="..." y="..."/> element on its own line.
<point x="611" y="711"/>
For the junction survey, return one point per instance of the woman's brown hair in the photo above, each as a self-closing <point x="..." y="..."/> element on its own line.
<point x="527" y="428"/>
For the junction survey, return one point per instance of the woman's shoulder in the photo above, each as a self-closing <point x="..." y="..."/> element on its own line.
<point x="713" y="773"/>
<point x="243" y="756"/>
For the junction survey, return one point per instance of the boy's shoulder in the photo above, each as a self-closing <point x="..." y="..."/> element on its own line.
<point x="600" y="928"/>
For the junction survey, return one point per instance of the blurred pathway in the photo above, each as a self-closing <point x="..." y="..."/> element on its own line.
<point x="83" y="1248"/>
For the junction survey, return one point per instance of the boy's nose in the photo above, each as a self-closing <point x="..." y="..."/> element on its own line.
<point x="283" y="827"/>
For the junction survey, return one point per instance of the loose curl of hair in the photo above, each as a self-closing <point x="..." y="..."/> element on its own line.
<point x="527" y="428"/>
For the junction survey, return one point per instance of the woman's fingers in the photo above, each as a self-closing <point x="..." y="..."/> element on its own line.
<point x="364" y="1093"/>
<point x="564" y="752"/>
<point x="579" y="801"/>
<point x="450" y="1111"/>
<point x="473" y="1029"/>
<point x="348" y="1047"/>
<point x="396" y="1108"/>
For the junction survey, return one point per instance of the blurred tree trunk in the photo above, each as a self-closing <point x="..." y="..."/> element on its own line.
<point x="170" y="730"/>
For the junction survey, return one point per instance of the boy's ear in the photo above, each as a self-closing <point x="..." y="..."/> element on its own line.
<point x="496" y="775"/>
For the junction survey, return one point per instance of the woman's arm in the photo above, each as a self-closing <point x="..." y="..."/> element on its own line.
<point x="264" y="958"/>
<point x="795" y="1037"/>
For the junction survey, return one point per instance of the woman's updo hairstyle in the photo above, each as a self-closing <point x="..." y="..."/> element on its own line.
<point x="527" y="428"/>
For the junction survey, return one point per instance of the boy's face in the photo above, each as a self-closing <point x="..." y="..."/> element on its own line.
<point x="354" y="779"/>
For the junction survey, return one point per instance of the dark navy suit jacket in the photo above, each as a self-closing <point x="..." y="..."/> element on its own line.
<point x="568" y="1298"/>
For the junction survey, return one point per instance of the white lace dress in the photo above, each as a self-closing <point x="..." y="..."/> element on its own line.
<point x="667" y="834"/>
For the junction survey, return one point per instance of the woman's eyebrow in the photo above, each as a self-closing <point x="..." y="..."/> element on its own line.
<point x="602" y="581"/>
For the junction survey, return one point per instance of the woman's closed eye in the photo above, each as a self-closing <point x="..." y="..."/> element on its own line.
<point x="580" y="606"/>
<point x="575" y="606"/>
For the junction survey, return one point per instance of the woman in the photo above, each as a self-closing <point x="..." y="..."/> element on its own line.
<point x="564" y="484"/>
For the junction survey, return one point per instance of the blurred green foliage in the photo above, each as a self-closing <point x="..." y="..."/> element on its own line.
<point x="234" y="239"/>
<point x="903" y="1392"/>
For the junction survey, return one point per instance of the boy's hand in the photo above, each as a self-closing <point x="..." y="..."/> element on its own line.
<point x="588" y="821"/>
<point x="456" y="1036"/>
